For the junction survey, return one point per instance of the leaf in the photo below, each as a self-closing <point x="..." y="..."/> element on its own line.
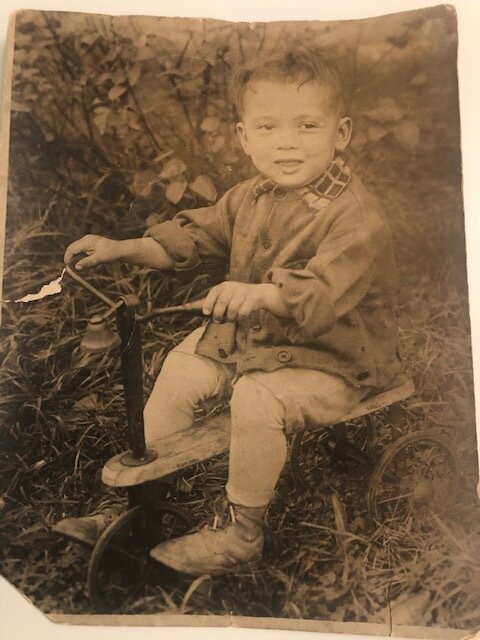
<point x="175" y="190"/>
<point x="133" y="122"/>
<point x="100" y="117"/>
<point x="111" y="55"/>
<point x="408" y="135"/>
<point x="210" y="124"/>
<point x="23" y="39"/>
<point x="32" y="57"/>
<point x="116" y="92"/>
<point x="174" y="168"/>
<point x="48" y="134"/>
<point x="386" y="112"/>
<point x="118" y="76"/>
<point x="29" y="73"/>
<point x="142" y="179"/>
<point x="418" y="81"/>
<point x="103" y="77"/>
<point x="204" y="186"/>
<point x="134" y="74"/>
<point x="89" y="39"/>
<point x="87" y="403"/>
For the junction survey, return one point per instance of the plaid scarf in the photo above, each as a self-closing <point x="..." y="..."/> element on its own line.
<point x="319" y="193"/>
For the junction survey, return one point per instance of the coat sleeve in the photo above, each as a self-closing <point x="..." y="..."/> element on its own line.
<point x="195" y="237"/>
<point x="336" y="279"/>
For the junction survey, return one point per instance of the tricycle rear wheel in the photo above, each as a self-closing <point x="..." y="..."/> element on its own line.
<point x="417" y="474"/>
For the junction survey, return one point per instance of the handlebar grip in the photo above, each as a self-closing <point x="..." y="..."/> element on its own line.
<point x="70" y="269"/>
<point x="194" y="307"/>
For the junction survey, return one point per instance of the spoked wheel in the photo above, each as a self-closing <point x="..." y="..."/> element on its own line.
<point x="346" y="443"/>
<point x="415" y="475"/>
<point x="120" y="566"/>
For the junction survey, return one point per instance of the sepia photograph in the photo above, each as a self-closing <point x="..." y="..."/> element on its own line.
<point x="236" y="361"/>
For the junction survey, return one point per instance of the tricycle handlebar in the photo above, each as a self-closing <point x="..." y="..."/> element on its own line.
<point x="194" y="307"/>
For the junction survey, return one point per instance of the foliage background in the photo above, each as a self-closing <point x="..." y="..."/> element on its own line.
<point x="113" y="111"/>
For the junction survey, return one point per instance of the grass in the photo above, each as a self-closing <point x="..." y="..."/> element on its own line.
<point x="62" y="416"/>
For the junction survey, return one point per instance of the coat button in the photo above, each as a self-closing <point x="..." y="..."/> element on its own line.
<point x="255" y="327"/>
<point x="363" y="376"/>
<point x="266" y="244"/>
<point x="279" y="192"/>
<point x="222" y="353"/>
<point x="284" y="356"/>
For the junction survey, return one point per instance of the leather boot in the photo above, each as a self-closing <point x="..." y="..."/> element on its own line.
<point x="232" y="544"/>
<point x="88" y="529"/>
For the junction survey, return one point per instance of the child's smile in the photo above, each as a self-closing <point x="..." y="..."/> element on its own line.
<point x="290" y="131"/>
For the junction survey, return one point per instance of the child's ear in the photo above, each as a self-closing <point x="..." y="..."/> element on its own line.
<point x="344" y="133"/>
<point x="243" y="137"/>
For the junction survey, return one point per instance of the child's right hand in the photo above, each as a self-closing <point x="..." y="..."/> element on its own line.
<point x="99" y="250"/>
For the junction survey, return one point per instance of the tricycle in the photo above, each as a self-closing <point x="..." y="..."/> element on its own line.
<point x="416" y="473"/>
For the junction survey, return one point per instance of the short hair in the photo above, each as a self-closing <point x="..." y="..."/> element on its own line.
<point x="300" y="65"/>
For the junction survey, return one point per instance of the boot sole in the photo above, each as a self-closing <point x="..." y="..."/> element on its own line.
<point x="88" y="542"/>
<point x="245" y="567"/>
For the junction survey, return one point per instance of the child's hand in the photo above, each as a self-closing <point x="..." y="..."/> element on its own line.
<point x="98" y="249"/>
<point x="235" y="300"/>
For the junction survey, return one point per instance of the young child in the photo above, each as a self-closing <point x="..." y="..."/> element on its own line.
<point x="304" y="327"/>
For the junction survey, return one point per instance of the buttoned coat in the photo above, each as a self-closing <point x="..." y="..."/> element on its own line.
<point x="334" y="267"/>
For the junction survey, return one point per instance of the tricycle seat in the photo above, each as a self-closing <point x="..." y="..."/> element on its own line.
<point x="402" y="388"/>
<point x="176" y="451"/>
<point x="211" y="437"/>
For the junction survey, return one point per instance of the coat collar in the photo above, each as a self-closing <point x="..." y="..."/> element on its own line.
<point x="319" y="193"/>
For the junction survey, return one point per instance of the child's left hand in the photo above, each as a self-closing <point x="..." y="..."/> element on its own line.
<point x="234" y="300"/>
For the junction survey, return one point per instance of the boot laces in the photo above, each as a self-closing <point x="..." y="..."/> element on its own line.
<point x="224" y="514"/>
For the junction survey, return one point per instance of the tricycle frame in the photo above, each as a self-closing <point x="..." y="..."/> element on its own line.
<point x="144" y="472"/>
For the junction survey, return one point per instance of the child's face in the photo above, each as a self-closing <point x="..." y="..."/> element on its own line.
<point x="291" y="132"/>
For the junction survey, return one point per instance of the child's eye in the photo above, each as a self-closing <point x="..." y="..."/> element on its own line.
<point x="308" y="126"/>
<point x="265" y="127"/>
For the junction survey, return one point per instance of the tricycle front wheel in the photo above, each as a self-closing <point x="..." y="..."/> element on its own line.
<point x="120" y="566"/>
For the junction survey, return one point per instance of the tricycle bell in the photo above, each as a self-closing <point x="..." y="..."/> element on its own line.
<point x="98" y="336"/>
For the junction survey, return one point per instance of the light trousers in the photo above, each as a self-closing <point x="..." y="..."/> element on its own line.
<point x="264" y="406"/>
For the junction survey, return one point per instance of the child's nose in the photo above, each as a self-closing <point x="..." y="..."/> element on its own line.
<point x="288" y="139"/>
<point x="287" y="145"/>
